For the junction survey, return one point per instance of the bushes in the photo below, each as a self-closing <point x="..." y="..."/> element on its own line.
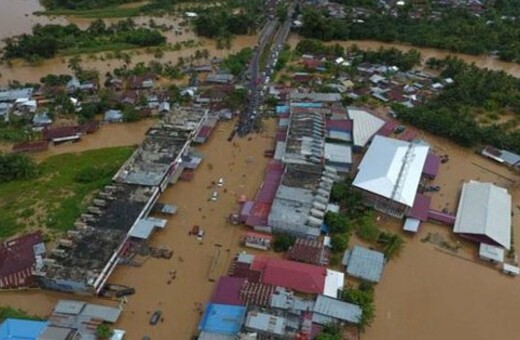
<point x="282" y="242"/>
<point x="15" y="166"/>
<point x="364" y="298"/>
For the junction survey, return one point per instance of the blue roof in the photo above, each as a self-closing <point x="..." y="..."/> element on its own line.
<point x="305" y="104"/>
<point x="282" y="109"/>
<point x="222" y="319"/>
<point x="16" y="329"/>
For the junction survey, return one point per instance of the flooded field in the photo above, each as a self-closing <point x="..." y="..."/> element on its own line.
<point x="482" y="61"/>
<point x="429" y="293"/>
<point x="108" y="135"/>
<point x="242" y="167"/>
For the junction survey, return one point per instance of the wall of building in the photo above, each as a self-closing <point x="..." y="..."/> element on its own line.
<point x="384" y="204"/>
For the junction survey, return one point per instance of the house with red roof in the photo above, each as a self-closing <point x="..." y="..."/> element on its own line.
<point x="301" y="277"/>
<point x="17" y="259"/>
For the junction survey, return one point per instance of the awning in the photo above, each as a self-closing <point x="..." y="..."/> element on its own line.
<point x="411" y="225"/>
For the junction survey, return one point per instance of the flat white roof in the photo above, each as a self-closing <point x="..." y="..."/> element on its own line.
<point x="364" y="125"/>
<point x="338" y="153"/>
<point x="392" y="168"/>
<point x="493" y="253"/>
<point x="333" y="282"/>
<point x="411" y="224"/>
<point x="485" y="209"/>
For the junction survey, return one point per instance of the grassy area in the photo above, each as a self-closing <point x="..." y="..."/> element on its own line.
<point x="56" y="198"/>
<point x="100" y="13"/>
<point x="10" y="312"/>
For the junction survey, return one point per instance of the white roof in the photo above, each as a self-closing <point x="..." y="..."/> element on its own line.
<point x="392" y="168"/>
<point x="485" y="209"/>
<point x="493" y="253"/>
<point x="411" y="224"/>
<point x="266" y="322"/>
<point x="334" y="281"/>
<point x="365" y="125"/>
<point x="338" y="153"/>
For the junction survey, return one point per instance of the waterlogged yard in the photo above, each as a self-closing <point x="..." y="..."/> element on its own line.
<point x="58" y="194"/>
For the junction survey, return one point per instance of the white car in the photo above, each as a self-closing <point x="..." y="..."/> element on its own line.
<point x="214" y="196"/>
<point x="220" y="182"/>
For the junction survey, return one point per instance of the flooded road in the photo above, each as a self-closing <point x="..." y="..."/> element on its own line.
<point x="483" y="61"/>
<point x="242" y="165"/>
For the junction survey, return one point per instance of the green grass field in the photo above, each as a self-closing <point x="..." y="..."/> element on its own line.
<point x="60" y="193"/>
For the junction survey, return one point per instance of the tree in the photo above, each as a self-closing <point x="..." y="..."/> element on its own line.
<point x="364" y="298"/>
<point x="103" y="331"/>
<point x="16" y="166"/>
<point x="331" y="331"/>
<point x="367" y="228"/>
<point x="282" y="242"/>
<point x="339" y="242"/>
<point x="337" y="222"/>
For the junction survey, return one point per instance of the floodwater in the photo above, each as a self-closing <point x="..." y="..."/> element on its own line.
<point x="108" y="135"/>
<point x="242" y="166"/>
<point x="483" y="61"/>
<point x="16" y="17"/>
<point x="428" y="293"/>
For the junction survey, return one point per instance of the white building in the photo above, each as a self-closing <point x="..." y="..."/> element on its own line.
<point x="484" y="214"/>
<point x="389" y="174"/>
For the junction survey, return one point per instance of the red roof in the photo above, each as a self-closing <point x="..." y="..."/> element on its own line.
<point x="31" y="146"/>
<point x="420" y="208"/>
<point x="339" y="124"/>
<point x="17" y="258"/>
<point x="431" y="165"/>
<point x="408" y="135"/>
<point x="204" y="132"/>
<point x="309" y="251"/>
<point x="60" y="132"/>
<point x="387" y="129"/>
<point x="227" y="291"/>
<point x="301" y="277"/>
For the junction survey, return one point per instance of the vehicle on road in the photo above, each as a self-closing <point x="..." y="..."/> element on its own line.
<point x="156" y="316"/>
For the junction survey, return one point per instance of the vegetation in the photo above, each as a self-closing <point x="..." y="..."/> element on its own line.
<point x="57" y="196"/>
<point x="455" y="29"/>
<point x="330" y="332"/>
<point x="236" y="63"/>
<point x="15" y="166"/>
<point x="46" y="41"/>
<point x="364" y="298"/>
<point x="221" y="22"/>
<point x="282" y="242"/>
<point x="103" y="331"/>
<point x="454" y="112"/>
<point x="339" y="242"/>
<point x="14" y="313"/>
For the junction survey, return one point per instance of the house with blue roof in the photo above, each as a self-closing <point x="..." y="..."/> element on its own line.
<point x="17" y="329"/>
<point x="222" y="319"/>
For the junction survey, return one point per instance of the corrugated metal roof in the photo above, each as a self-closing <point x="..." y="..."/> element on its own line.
<point x="266" y="323"/>
<point x="392" y="169"/>
<point x="365" y="264"/>
<point x="338" y="153"/>
<point x="420" y="207"/>
<point x="485" y="209"/>
<point x="336" y="309"/>
<point x="365" y="125"/>
<point x="227" y="291"/>
<point x="69" y="307"/>
<point x="105" y="313"/>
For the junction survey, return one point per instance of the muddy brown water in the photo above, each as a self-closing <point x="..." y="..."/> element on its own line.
<point x="242" y="166"/>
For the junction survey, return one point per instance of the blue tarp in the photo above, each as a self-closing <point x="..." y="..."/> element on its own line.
<point x="304" y="104"/>
<point x="222" y="319"/>
<point x="16" y="329"/>
<point x="281" y="109"/>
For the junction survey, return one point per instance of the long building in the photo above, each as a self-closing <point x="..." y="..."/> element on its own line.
<point x="83" y="261"/>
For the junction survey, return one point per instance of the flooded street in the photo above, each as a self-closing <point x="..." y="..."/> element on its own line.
<point x="242" y="167"/>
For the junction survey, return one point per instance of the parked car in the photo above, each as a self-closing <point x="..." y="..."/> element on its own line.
<point x="156" y="316"/>
<point x="200" y="235"/>
<point x="214" y="196"/>
<point x="220" y="182"/>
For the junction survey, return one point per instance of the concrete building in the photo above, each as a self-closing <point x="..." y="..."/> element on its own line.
<point x="389" y="175"/>
<point x="484" y="214"/>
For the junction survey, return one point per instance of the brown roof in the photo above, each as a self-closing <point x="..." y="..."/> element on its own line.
<point x="309" y="251"/>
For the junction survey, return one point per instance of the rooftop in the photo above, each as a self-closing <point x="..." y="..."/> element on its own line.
<point x="164" y="144"/>
<point x="267" y="323"/>
<point x="365" y="125"/>
<point x="392" y="169"/>
<point x="227" y="291"/>
<point x="222" y="319"/>
<point x="327" y="309"/>
<point x="485" y="210"/>
<point x="99" y="233"/>
<point x="364" y="263"/>
<point x="17" y="329"/>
